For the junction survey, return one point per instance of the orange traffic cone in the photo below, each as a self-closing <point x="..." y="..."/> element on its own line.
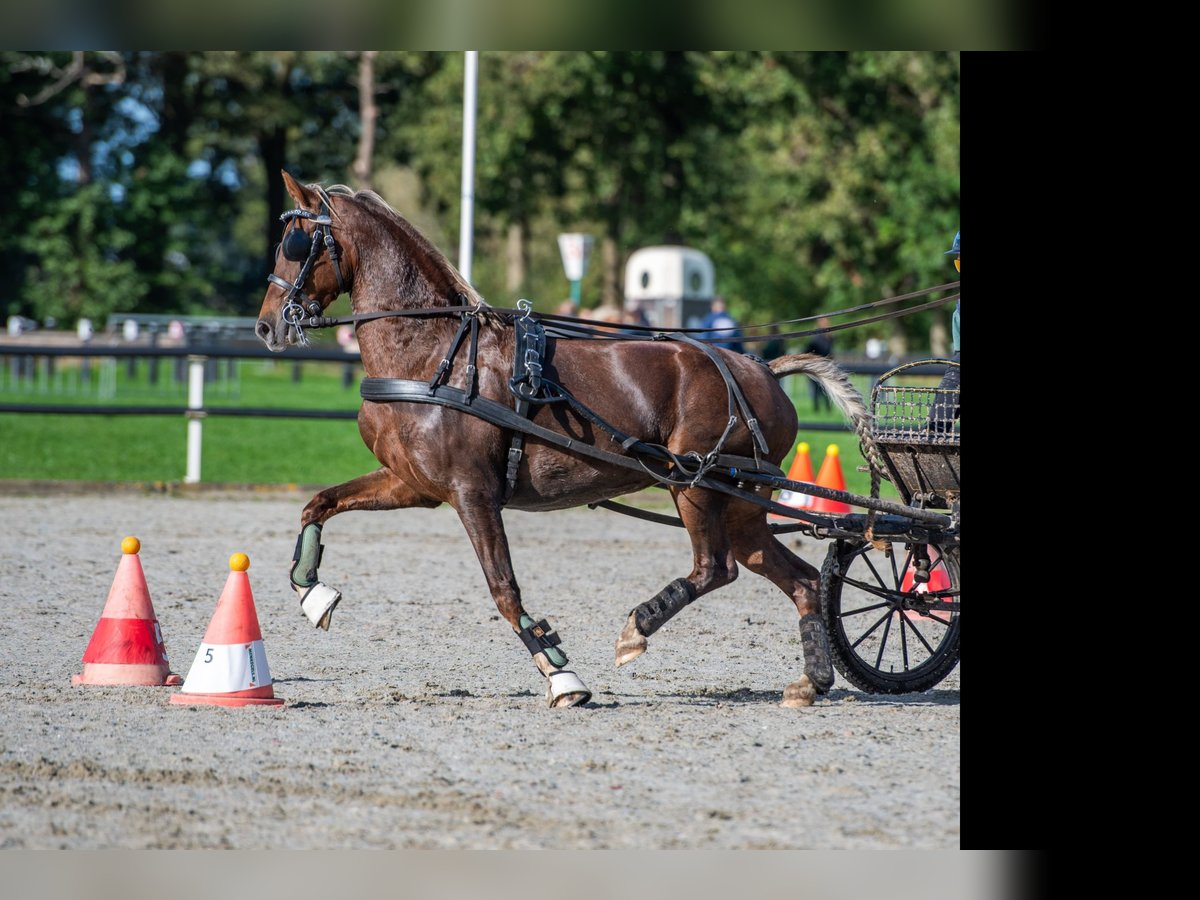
<point x="127" y="646"/>
<point x="801" y="470"/>
<point x="939" y="580"/>
<point x="230" y="668"/>
<point x="830" y="476"/>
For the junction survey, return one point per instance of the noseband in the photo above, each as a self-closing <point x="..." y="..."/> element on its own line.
<point x="297" y="248"/>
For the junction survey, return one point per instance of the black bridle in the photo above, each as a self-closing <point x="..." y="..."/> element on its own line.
<point x="298" y="248"/>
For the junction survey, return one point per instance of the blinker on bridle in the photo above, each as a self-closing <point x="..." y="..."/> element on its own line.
<point x="298" y="247"/>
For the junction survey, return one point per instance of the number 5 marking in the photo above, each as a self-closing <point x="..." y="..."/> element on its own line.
<point x="208" y="655"/>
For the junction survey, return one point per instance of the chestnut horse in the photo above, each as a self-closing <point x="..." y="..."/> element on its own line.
<point x="668" y="392"/>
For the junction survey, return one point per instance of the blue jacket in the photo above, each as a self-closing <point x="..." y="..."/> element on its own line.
<point x="723" y="325"/>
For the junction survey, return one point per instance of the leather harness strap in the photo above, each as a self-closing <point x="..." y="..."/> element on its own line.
<point x="525" y="385"/>
<point x="471" y="321"/>
<point x="734" y="392"/>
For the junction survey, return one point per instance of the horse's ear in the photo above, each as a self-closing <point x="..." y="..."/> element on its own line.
<point x="304" y="198"/>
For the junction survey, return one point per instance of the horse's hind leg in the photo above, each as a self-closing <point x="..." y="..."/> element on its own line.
<point x="713" y="566"/>
<point x="380" y="489"/>
<point x="480" y="515"/>
<point x="760" y="551"/>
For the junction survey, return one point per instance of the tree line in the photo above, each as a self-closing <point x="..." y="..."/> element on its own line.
<point x="149" y="181"/>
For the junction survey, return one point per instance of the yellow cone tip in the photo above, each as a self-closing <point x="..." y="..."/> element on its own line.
<point x="239" y="562"/>
<point x="833" y="450"/>
<point x="131" y="545"/>
<point x="802" y="447"/>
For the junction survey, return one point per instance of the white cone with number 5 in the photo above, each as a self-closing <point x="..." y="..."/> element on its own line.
<point x="231" y="668"/>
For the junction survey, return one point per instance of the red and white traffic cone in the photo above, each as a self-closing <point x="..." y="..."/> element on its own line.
<point x="230" y="668"/>
<point x="939" y="580"/>
<point x="831" y="476"/>
<point x="800" y="470"/>
<point x="127" y="646"/>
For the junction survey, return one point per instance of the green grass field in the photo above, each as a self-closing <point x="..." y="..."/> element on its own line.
<point x="235" y="450"/>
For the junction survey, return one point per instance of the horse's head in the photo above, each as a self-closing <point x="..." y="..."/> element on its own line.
<point x="311" y="269"/>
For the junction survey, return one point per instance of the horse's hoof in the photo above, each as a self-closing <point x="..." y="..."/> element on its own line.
<point x="318" y="602"/>
<point x="566" y="700"/>
<point x="799" y="694"/>
<point x="565" y="689"/>
<point x="631" y="644"/>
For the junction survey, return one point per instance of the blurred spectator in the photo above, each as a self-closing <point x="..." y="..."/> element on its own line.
<point x="635" y="316"/>
<point x="722" y="325"/>
<point x="946" y="405"/>
<point x="607" y="313"/>
<point x="775" y="347"/>
<point x="347" y="338"/>
<point x="18" y="325"/>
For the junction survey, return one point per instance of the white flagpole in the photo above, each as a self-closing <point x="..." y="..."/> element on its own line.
<point x="467" y="217"/>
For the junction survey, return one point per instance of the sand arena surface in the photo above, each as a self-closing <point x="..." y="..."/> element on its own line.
<point x="418" y="720"/>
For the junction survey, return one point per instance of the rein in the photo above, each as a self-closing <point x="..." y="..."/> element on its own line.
<point x="307" y="313"/>
<point x="573" y="326"/>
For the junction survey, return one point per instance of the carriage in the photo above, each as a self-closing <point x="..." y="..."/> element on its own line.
<point x="486" y="409"/>
<point x="891" y="601"/>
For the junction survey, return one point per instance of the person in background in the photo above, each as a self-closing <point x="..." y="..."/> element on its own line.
<point x="775" y="347"/>
<point x="635" y="315"/>
<point x="945" y="407"/>
<point x="821" y="345"/>
<point x="722" y="325"/>
<point x="606" y="312"/>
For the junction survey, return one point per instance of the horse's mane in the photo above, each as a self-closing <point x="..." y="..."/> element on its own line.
<point x="374" y="201"/>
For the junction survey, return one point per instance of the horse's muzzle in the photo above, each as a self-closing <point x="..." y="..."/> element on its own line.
<point x="267" y="334"/>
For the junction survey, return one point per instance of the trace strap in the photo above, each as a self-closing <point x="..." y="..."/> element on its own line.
<point x="388" y="390"/>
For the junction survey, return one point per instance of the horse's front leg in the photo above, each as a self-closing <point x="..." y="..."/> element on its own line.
<point x="380" y="489"/>
<point x="480" y="515"/>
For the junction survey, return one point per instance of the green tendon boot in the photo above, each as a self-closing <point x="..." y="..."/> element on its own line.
<point x="317" y="600"/>
<point x="540" y="640"/>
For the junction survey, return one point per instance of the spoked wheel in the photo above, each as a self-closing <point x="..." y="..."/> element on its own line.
<point x="892" y="630"/>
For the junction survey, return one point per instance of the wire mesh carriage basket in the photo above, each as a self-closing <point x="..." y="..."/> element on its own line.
<point x="917" y="429"/>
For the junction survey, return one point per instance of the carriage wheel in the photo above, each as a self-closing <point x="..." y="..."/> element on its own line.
<point x="889" y="634"/>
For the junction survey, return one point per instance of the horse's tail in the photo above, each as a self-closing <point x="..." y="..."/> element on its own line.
<point x="835" y="383"/>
